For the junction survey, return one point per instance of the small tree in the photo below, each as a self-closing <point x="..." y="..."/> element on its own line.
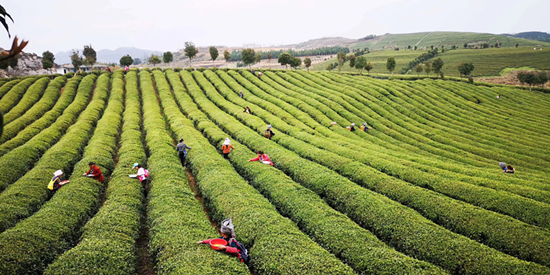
<point x="258" y="58"/>
<point x="48" y="60"/>
<point x="465" y="45"/>
<point x="76" y="60"/>
<point x="284" y="59"/>
<point x="329" y="67"/>
<point x="437" y="66"/>
<point x="531" y="79"/>
<point x="137" y="61"/>
<point x="361" y="63"/>
<point x="368" y="67"/>
<point x="522" y="77"/>
<point x="351" y="58"/>
<point x="465" y="69"/>
<point x="213" y="53"/>
<point x="126" y="61"/>
<point x="226" y="56"/>
<point x="307" y="62"/>
<point x="248" y="56"/>
<point x="89" y="56"/>
<point x="432" y="46"/>
<point x="427" y="68"/>
<point x="415" y="47"/>
<point x="418" y="68"/>
<point x="341" y="56"/>
<point x="154" y="59"/>
<point x="517" y="45"/>
<point x="167" y="57"/>
<point x="295" y="62"/>
<point x="269" y="56"/>
<point x="409" y="47"/>
<point x="190" y="51"/>
<point x="390" y="64"/>
<point x="542" y="78"/>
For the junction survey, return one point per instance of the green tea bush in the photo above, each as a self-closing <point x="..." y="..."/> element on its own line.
<point x="7" y="86"/>
<point x="56" y="226"/>
<point x="123" y="205"/>
<point x="10" y="99"/>
<point x="51" y="94"/>
<point x="31" y="96"/>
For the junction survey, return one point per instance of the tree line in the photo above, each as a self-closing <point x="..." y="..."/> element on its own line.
<point x="237" y="55"/>
<point x="533" y="78"/>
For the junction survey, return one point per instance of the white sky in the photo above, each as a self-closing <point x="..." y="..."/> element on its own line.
<point x="61" y="25"/>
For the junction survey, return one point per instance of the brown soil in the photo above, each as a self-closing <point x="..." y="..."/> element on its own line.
<point x="144" y="265"/>
<point x="198" y="196"/>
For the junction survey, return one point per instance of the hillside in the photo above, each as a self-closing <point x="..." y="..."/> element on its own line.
<point x="419" y="192"/>
<point x="108" y="56"/>
<point x="539" y="36"/>
<point x="437" y="39"/>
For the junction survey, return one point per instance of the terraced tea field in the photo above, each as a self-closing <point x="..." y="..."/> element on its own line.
<point x="419" y="193"/>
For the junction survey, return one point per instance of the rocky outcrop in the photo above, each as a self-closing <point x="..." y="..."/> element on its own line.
<point x="28" y="64"/>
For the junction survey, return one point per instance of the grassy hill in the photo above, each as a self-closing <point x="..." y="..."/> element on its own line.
<point x="420" y="192"/>
<point x="490" y="62"/>
<point x="437" y="39"/>
<point x="378" y="59"/>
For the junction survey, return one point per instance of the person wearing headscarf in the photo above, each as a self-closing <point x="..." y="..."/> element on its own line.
<point x="94" y="172"/>
<point x="352" y="127"/>
<point x="226" y="148"/>
<point x="268" y="133"/>
<point x="247" y="110"/>
<point x="233" y="247"/>
<point x="182" y="151"/>
<point x="56" y="182"/>
<point x="506" y="168"/>
<point x="263" y="158"/>
<point x="241" y="95"/>
<point x="502" y="166"/>
<point x="364" y="127"/>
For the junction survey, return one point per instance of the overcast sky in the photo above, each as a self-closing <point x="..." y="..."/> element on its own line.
<point x="61" y="25"/>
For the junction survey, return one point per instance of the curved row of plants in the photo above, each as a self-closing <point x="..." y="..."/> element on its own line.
<point x="30" y="97"/>
<point x="22" y="159"/>
<point x="397" y="225"/>
<point x="457" y="216"/>
<point x="364" y="253"/>
<point x="6" y="87"/>
<point x="48" y="100"/>
<point x="448" y="136"/>
<point x="481" y="196"/>
<point x="56" y="227"/>
<point x="22" y="198"/>
<point x="112" y="232"/>
<point x="257" y="222"/>
<point x="11" y="98"/>
<point x="425" y="178"/>
<point x="175" y="217"/>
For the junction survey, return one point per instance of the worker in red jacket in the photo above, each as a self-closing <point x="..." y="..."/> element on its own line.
<point x="263" y="158"/>
<point x="94" y="172"/>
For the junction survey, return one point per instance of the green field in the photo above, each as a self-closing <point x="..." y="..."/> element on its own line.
<point x="438" y="39"/>
<point x="490" y="62"/>
<point x="378" y="60"/>
<point x="421" y="192"/>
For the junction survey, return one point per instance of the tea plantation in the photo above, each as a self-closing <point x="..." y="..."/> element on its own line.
<point x="419" y="192"/>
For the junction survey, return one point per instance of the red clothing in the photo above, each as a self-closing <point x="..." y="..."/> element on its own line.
<point x="229" y="249"/>
<point x="264" y="159"/>
<point x="96" y="172"/>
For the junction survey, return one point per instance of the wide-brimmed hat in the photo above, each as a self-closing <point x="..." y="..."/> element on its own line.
<point x="227" y="141"/>
<point x="58" y="173"/>
<point x="269" y="126"/>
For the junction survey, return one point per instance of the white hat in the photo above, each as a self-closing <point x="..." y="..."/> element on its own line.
<point x="364" y="123"/>
<point x="58" y="173"/>
<point x="227" y="141"/>
<point x="353" y="124"/>
<point x="269" y="126"/>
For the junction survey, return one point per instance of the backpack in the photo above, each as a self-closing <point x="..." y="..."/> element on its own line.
<point x="267" y="134"/>
<point x="243" y="253"/>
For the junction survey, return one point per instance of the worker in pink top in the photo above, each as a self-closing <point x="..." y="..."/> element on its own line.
<point x="263" y="158"/>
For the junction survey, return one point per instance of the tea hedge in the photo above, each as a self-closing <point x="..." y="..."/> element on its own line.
<point x="26" y="195"/>
<point x="57" y="225"/>
<point x="31" y="96"/>
<point x="364" y="252"/>
<point x="50" y="97"/>
<point x="257" y="223"/>
<point x="110" y="236"/>
<point x="6" y="87"/>
<point x="175" y="217"/>
<point x="45" y="120"/>
<point x="17" y="162"/>
<point x="402" y="227"/>
<point x="10" y="99"/>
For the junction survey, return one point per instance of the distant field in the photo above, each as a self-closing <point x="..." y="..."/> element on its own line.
<point x="378" y="59"/>
<point x="426" y="39"/>
<point x="490" y="62"/>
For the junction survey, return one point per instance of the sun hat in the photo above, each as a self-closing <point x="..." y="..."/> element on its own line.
<point x="58" y="173"/>
<point x="135" y="164"/>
